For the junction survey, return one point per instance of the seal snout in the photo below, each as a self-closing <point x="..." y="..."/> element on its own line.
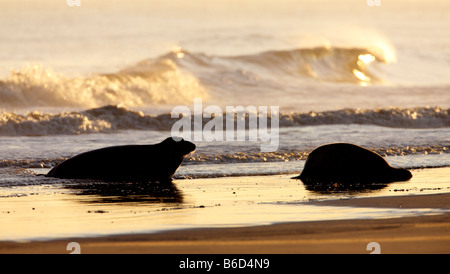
<point x="189" y="147"/>
<point x="192" y="147"/>
<point x="180" y="145"/>
<point x="401" y="174"/>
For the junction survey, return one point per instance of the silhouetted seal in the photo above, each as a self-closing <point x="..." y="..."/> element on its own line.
<point x="126" y="163"/>
<point x="349" y="164"/>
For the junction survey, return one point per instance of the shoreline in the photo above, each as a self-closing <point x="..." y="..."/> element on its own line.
<point x="422" y="234"/>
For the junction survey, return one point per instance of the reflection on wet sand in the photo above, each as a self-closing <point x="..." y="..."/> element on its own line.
<point x="126" y="192"/>
<point x="344" y="188"/>
<point x="166" y="192"/>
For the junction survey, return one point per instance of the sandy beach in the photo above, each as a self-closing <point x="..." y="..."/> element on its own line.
<point x="423" y="234"/>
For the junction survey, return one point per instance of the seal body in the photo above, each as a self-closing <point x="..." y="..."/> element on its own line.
<point x="130" y="162"/>
<point x="349" y="164"/>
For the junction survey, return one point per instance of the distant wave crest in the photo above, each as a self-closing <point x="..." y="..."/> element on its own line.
<point x="322" y="64"/>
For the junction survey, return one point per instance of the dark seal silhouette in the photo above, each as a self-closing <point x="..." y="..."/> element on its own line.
<point x="126" y="163"/>
<point x="349" y="164"/>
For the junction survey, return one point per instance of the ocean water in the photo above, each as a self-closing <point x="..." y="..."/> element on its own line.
<point x="108" y="73"/>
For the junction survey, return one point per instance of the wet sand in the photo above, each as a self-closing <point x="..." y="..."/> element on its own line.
<point x="423" y="234"/>
<point x="250" y="214"/>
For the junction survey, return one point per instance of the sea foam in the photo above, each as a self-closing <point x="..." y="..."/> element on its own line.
<point x="110" y="119"/>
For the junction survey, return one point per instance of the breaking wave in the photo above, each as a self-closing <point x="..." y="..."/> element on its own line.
<point x="36" y="86"/>
<point x="178" y="76"/>
<point x="110" y="119"/>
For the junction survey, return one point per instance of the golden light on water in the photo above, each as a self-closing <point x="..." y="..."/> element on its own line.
<point x="178" y="52"/>
<point x="180" y="55"/>
<point x="361" y="76"/>
<point x="366" y="58"/>
<point x="363" y="60"/>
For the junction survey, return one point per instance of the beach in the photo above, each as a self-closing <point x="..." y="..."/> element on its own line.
<point x="407" y="223"/>
<point x="409" y="235"/>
